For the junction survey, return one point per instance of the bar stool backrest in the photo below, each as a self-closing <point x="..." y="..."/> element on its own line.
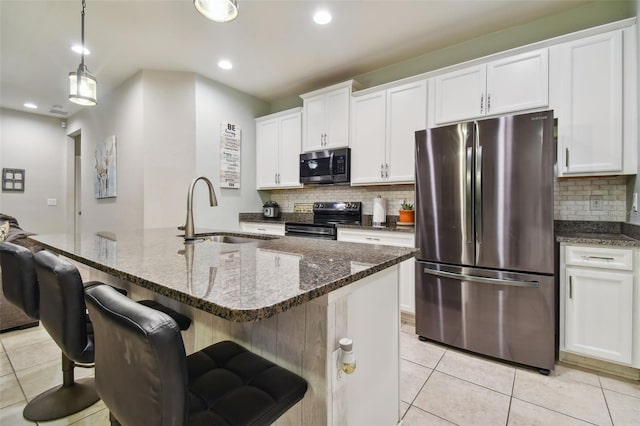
<point x="19" y="282"/>
<point x="141" y="367"/>
<point x="62" y="308"/>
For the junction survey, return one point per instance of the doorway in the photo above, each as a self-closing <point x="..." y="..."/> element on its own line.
<point x="76" y="190"/>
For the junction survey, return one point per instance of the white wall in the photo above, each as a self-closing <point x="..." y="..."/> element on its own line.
<point x="118" y="114"/>
<point x="216" y="104"/>
<point x="167" y="129"/>
<point x="37" y="144"/>
<point x="169" y="145"/>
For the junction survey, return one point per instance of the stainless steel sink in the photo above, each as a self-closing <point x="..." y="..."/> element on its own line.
<point x="228" y="238"/>
<point x="231" y="239"/>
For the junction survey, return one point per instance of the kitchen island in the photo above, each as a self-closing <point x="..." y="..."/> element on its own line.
<point x="287" y="299"/>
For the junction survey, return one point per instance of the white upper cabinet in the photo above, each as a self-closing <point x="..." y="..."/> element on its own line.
<point x="326" y="117"/>
<point x="459" y="95"/>
<point x="267" y="153"/>
<point x="383" y="126"/>
<point x="596" y="131"/>
<point x="406" y="113"/>
<point x="518" y="83"/>
<point x="278" y="141"/>
<point x="515" y="83"/>
<point x="368" y="140"/>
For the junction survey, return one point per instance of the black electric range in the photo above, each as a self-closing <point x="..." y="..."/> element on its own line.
<point x="326" y="215"/>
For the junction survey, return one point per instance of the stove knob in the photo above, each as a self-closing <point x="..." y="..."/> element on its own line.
<point x="320" y="205"/>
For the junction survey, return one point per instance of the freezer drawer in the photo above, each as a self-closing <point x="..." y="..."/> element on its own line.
<point x="501" y="314"/>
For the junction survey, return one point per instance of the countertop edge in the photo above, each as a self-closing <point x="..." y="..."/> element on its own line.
<point x="598" y="239"/>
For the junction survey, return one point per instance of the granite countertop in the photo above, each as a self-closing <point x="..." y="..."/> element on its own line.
<point x="598" y="233"/>
<point x="597" y="239"/>
<point x="238" y="282"/>
<point x="366" y="225"/>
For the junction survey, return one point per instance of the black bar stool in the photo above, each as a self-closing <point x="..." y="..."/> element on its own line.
<point x="145" y="378"/>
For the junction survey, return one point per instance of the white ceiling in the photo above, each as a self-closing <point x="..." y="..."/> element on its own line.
<point x="276" y="49"/>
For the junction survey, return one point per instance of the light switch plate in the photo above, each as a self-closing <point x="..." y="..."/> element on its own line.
<point x="52" y="202"/>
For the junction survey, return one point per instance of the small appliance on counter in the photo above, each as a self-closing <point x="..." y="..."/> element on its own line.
<point x="379" y="212"/>
<point x="271" y="209"/>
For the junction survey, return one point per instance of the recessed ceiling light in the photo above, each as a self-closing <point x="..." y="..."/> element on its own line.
<point x="322" y="17"/>
<point x="78" y="49"/>
<point x="30" y="105"/>
<point x="225" y="64"/>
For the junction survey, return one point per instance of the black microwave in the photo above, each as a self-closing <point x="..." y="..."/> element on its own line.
<point x="326" y="166"/>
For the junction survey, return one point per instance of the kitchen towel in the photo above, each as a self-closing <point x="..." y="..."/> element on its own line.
<point x="379" y="211"/>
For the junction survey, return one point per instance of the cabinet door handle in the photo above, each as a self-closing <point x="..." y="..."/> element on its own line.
<point x="261" y="229"/>
<point x="386" y="170"/>
<point x="599" y="258"/>
<point x="488" y="102"/>
<point x="566" y="158"/>
<point x="381" y="171"/>
<point x="481" y="103"/>
<point x="570" y="287"/>
<point x="372" y="239"/>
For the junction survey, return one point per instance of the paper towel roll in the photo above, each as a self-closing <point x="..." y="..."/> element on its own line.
<point x="379" y="211"/>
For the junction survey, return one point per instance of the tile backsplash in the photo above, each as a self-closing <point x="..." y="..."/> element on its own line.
<point x="572" y="197"/>
<point x="394" y="194"/>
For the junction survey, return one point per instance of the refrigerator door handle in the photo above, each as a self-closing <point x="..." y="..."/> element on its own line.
<point x="467" y="198"/>
<point x="485" y="280"/>
<point x="478" y="196"/>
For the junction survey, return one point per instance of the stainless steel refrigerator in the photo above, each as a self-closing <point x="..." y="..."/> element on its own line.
<point x="484" y="225"/>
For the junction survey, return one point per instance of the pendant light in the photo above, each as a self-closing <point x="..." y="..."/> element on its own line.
<point x="82" y="84"/>
<point x="217" y="10"/>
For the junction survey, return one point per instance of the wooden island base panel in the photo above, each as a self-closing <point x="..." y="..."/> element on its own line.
<point x="287" y="299"/>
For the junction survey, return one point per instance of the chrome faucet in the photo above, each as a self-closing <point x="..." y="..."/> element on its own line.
<point x="189" y="233"/>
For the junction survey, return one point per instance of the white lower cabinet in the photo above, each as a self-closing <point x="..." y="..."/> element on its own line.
<point x="407" y="268"/>
<point x="597" y="293"/>
<point x="263" y="228"/>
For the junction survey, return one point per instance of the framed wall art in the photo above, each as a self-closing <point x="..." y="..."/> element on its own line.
<point x="105" y="182"/>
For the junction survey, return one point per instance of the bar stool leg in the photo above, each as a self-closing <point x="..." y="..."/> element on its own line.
<point x="61" y="401"/>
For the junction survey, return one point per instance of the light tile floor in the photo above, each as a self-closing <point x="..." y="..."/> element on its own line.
<point x="439" y="386"/>
<point x="443" y="386"/>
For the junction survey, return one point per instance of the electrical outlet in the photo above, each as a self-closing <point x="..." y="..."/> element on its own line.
<point x="52" y="202"/>
<point x="596" y="202"/>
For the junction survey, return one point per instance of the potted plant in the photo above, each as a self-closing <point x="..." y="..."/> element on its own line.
<point x="407" y="214"/>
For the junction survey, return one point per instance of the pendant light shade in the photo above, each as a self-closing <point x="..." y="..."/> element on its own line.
<point x="83" y="86"/>
<point x="217" y="10"/>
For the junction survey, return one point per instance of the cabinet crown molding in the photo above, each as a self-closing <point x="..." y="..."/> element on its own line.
<point x="352" y="84"/>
